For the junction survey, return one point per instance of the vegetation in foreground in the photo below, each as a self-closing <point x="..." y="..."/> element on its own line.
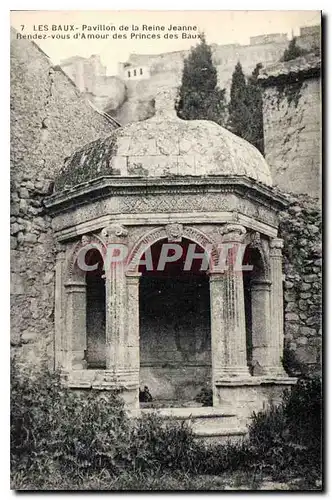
<point x="62" y="439"/>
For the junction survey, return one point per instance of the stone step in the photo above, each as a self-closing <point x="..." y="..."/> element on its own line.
<point x="215" y="434"/>
<point x="213" y="425"/>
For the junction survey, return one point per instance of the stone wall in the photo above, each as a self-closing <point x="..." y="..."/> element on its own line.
<point x="292" y="135"/>
<point x="49" y="120"/>
<point x="300" y="228"/>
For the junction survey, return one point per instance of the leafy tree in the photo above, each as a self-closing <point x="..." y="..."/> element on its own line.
<point x="246" y="108"/>
<point x="199" y="96"/>
<point x="293" y="51"/>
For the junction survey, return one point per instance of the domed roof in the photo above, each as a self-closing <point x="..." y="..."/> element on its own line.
<point x="166" y="146"/>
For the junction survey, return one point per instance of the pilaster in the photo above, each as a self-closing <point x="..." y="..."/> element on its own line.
<point x="277" y="307"/>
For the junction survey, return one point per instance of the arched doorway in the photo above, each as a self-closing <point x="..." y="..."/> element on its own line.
<point x="175" y="333"/>
<point x="257" y="309"/>
<point x="95" y="312"/>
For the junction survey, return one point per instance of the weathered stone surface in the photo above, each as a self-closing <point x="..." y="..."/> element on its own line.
<point x="292" y="317"/>
<point x="37" y="93"/>
<point x="303" y="270"/>
<point x="292" y="134"/>
<point x="306" y="331"/>
<point x="165" y="145"/>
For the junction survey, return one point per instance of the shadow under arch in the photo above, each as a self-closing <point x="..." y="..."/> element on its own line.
<point x="257" y="289"/>
<point x="175" y="328"/>
<point x="150" y="238"/>
<point x="85" y="303"/>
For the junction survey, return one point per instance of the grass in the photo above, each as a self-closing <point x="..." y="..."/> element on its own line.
<point x="65" y="440"/>
<point x="163" y="481"/>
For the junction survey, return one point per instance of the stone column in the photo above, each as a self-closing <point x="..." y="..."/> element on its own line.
<point x="133" y="334"/>
<point x="261" y="326"/>
<point x="60" y="356"/>
<point x="277" y="308"/>
<point x="74" y="344"/>
<point x="116" y="306"/>
<point x="228" y="333"/>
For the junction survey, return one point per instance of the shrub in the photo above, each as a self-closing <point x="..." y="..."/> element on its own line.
<point x="76" y="430"/>
<point x="160" y="444"/>
<point x="57" y="431"/>
<point x="59" y="435"/>
<point x="288" y="437"/>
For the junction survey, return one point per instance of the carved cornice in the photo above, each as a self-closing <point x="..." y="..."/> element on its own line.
<point x="107" y="186"/>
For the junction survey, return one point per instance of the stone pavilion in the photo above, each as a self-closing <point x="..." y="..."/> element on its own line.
<point x="166" y="181"/>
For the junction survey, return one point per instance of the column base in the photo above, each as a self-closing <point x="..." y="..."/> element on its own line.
<point x="252" y="394"/>
<point x="78" y="361"/>
<point x="268" y="371"/>
<point x="231" y="371"/>
<point x="125" y="384"/>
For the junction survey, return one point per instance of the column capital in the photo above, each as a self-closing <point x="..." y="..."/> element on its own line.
<point x="276" y="246"/>
<point x="261" y="281"/>
<point x="215" y="275"/>
<point x="261" y="284"/>
<point x="133" y="276"/>
<point x="233" y="233"/>
<point x="73" y="285"/>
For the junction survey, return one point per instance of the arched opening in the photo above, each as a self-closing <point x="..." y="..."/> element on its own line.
<point x="175" y="334"/>
<point x="256" y="298"/>
<point x="95" y="312"/>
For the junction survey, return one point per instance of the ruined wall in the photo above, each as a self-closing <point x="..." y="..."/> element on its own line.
<point x="109" y="93"/>
<point x="292" y="135"/>
<point x="300" y="227"/>
<point x="166" y="71"/>
<point x="49" y="120"/>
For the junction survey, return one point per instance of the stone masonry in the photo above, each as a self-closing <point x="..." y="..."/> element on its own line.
<point x="300" y="227"/>
<point x="292" y="124"/>
<point x="49" y="120"/>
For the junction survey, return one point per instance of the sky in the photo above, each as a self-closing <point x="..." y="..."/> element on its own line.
<point x="221" y="27"/>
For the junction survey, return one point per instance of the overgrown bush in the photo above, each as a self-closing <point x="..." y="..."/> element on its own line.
<point x="57" y="433"/>
<point x="288" y="437"/>
<point x="156" y="444"/>
<point x="74" y="430"/>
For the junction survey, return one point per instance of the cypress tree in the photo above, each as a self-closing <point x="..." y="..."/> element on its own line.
<point x="238" y="109"/>
<point x="246" y="107"/>
<point x="199" y="96"/>
<point x="255" y="130"/>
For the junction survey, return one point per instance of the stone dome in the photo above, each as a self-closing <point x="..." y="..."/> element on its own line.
<point x="165" y="146"/>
